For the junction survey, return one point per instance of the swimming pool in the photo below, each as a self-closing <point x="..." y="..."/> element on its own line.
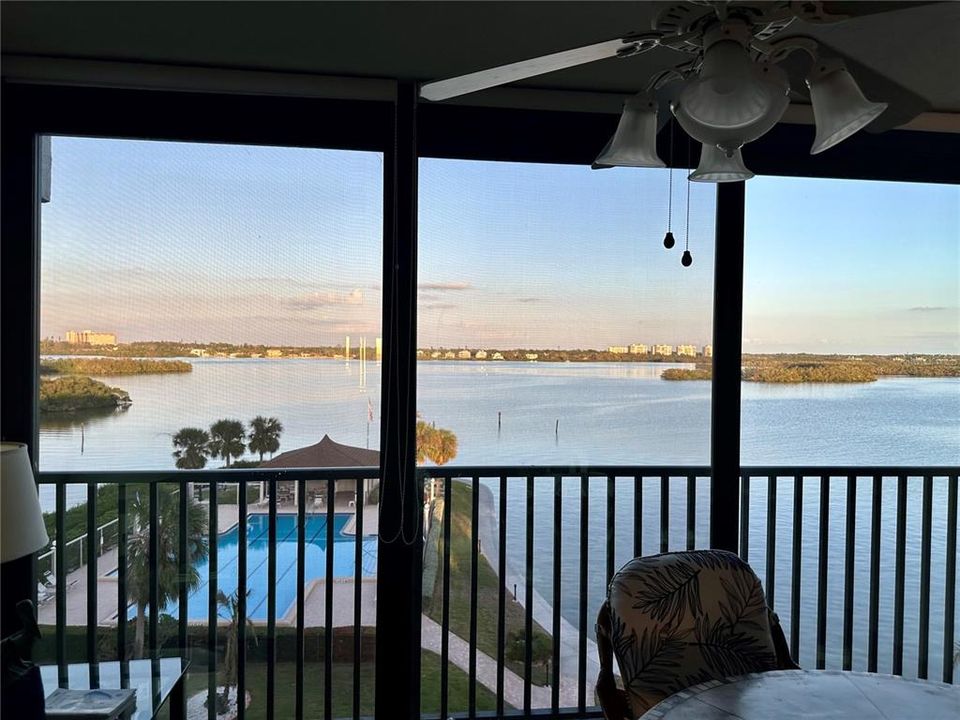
<point x="257" y="553"/>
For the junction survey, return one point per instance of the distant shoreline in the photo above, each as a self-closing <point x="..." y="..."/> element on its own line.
<point x="190" y="351"/>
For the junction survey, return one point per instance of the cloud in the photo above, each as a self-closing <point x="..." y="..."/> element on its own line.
<point x="446" y="286"/>
<point x="327" y="298"/>
<point x="438" y="306"/>
<point x="528" y="300"/>
<point x="928" y="308"/>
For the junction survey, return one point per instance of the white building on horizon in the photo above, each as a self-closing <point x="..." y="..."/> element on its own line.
<point x="91" y="337"/>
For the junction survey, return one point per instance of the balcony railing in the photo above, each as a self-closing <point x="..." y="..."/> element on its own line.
<point x="857" y="561"/>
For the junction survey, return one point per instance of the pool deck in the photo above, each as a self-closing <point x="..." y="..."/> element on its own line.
<point x="227" y="518"/>
<point x="344" y="596"/>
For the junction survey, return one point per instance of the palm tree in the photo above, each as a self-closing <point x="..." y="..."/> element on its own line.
<point x="227" y="439"/>
<point x="230" y="610"/>
<point x="424" y="436"/>
<point x="265" y="435"/>
<point x="192" y="448"/>
<point x="444" y="446"/>
<point x="438" y="445"/>
<point x="140" y="565"/>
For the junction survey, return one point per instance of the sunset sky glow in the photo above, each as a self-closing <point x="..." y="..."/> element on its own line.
<point x="177" y="241"/>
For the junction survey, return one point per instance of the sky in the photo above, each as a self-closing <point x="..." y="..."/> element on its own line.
<point x="205" y="243"/>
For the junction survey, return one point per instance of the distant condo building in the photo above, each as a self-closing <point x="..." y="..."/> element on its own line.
<point x="638" y="349"/>
<point x="481" y="355"/>
<point x="708" y="350"/>
<point x="89" y="337"/>
<point x="379" y="349"/>
<point x="663" y="349"/>
<point x="618" y="349"/>
<point x="688" y="350"/>
<point x="464" y="355"/>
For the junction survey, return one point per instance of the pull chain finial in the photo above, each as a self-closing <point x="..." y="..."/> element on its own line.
<point x="687" y="259"/>
<point x="668" y="240"/>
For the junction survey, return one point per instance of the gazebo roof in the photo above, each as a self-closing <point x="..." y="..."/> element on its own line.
<point x="325" y="453"/>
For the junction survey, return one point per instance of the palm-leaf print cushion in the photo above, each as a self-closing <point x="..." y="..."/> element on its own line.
<point x="679" y="619"/>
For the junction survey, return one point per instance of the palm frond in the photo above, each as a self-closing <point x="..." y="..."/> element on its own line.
<point x="744" y="604"/>
<point x="731" y="652"/>
<point x="667" y="591"/>
<point x="654" y="663"/>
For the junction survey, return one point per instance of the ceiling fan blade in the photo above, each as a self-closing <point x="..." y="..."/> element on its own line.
<point x="831" y="11"/>
<point x="483" y="79"/>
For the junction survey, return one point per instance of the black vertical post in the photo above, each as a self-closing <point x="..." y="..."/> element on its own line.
<point x="400" y="542"/>
<point x="19" y="331"/>
<point x="20" y="288"/>
<point x="727" y="330"/>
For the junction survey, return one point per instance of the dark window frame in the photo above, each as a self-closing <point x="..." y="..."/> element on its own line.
<point x="403" y="133"/>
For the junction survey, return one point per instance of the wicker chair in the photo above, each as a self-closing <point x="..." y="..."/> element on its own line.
<point x="678" y="619"/>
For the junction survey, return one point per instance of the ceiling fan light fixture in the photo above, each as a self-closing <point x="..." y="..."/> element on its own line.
<point x="839" y="106"/>
<point x="718" y="166"/>
<point x="734" y="100"/>
<point x="634" y="144"/>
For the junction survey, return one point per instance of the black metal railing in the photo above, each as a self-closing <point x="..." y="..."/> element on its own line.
<point x="161" y="527"/>
<point x="874" y="535"/>
<point x="539" y="533"/>
<point x="857" y="561"/>
<point x="561" y="533"/>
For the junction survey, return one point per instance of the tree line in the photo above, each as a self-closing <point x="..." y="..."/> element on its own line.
<point x="113" y="366"/>
<point x="78" y="392"/>
<point x="226" y="439"/>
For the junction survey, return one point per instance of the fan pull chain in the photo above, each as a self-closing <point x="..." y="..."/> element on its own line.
<point x="668" y="241"/>
<point x="687" y="259"/>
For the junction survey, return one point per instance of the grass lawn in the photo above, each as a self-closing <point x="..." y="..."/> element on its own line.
<point x="488" y="584"/>
<point x="285" y="696"/>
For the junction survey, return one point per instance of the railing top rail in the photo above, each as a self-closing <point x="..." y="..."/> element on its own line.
<point x="853" y="470"/>
<point x="224" y="475"/>
<point x="130" y="477"/>
<point x="492" y="471"/>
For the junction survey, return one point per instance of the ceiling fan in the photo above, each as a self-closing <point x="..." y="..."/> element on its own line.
<point x="728" y="87"/>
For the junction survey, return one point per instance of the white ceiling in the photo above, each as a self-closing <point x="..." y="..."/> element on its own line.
<point x="917" y="47"/>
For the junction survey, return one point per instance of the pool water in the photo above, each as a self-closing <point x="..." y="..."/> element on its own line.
<point x="344" y="549"/>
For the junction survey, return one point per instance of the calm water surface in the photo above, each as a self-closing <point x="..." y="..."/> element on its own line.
<point x="603" y="413"/>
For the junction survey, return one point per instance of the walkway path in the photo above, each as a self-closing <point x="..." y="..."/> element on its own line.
<point x="542" y="610"/>
<point x="431" y="636"/>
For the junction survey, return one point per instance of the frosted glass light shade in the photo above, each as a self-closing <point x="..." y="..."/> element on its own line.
<point x="22" y="531"/>
<point x="717" y="167"/>
<point x="734" y="100"/>
<point x="634" y="144"/>
<point x="839" y="107"/>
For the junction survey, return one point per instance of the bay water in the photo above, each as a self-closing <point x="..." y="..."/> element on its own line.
<point x="593" y="414"/>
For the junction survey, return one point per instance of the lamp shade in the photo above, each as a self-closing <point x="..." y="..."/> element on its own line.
<point x="839" y="107"/>
<point x="716" y="166"/>
<point x="734" y="100"/>
<point x="22" y="531"/>
<point x="634" y="144"/>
